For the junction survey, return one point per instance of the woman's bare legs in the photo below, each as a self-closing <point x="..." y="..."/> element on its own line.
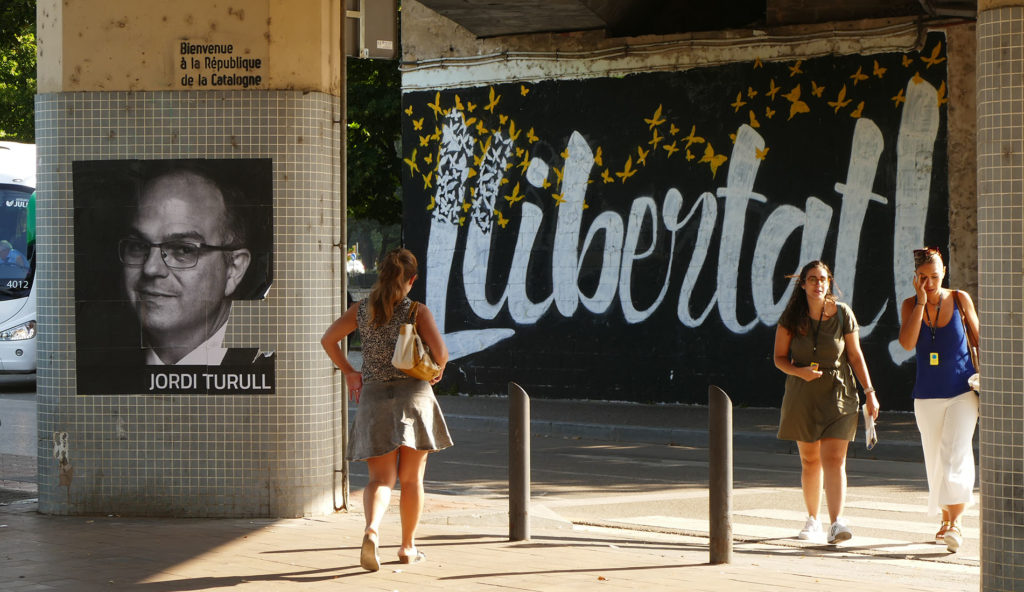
<point x="383" y="471"/>
<point x="412" y="465"/>
<point x="824" y="460"/>
<point x="833" y="464"/>
<point x="810" y="475"/>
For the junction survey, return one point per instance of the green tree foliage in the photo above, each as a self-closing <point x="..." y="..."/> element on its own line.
<point x="17" y="70"/>
<point x="374" y="140"/>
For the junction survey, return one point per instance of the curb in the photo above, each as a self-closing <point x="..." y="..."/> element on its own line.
<point x="765" y="442"/>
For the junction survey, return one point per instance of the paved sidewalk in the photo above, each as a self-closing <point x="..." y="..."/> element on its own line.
<point x="83" y="554"/>
<point x="684" y="425"/>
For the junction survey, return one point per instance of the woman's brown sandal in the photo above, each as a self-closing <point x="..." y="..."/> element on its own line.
<point x="940" y="537"/>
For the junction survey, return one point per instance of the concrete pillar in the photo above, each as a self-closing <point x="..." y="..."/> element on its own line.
<point x="248" y="94"/>
<point x="1000" y="72"/>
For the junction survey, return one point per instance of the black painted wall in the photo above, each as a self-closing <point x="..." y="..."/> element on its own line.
<point x="629" y="238"/>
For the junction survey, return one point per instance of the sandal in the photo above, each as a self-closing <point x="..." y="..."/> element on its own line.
<point x="417" y="558"/>
<point x="369" y="559"/>
<point x="940" y="537"/>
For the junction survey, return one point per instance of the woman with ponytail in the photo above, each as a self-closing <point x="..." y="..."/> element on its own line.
<point x="398" y="421"/>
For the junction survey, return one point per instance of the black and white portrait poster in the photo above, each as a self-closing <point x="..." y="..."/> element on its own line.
<point x="162" y="250"/>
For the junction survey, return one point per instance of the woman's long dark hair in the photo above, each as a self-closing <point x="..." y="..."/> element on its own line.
<point x="398" y="267"/>
<point x="794" y="318"/>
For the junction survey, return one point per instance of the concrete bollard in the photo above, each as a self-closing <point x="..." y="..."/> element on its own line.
<point x="720" y="475"/>
<point x="518" y="463"/>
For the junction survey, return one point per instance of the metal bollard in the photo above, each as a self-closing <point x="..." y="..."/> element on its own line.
<point x="720" y="475"/>
<point x="518" y="463"/>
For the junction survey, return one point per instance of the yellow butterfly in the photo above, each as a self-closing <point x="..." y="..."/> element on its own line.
<point x="512" y="133"/>
<point x="941" y="94"/>
<point x="797" y="106"/>
<point x="761" y="154"/>
<point x="751" y="93"/>
<point x="523" y="90"/>
<point x="502" y="119"/>
<point x="432" y="204"/>
<point x="672" y="129"/>
<point x="655" y="139"/>
<point x="858" y="75"/>
<point x="671" y="149"/>
<point x="466" y="205"/>
<point x="689" y="155"/>
<point x="841" y="101"/>
<point x="655" y="119"/>
<point x="795" y="69"/>
<point x="424" y="141"/>
<point x="411" y="161"/>
<point x="409" y="111"/>
<point x="436" y="105"/>
<point x="693" y="138"/>
<point x="769" y="112"/>
<point x="559" y="198"/>
<point x="607" y="177"/>
<point x="899" y="98"/>
<point x="417" y="124"/>
<point x="470" y="106"/>
<point x="772" y="89"/>
<point x="934" y="58"/>
<point x="458" y="103"/>
<point x="558" y="174"/>
<point x="545" y="184"/>
<point x="525" y="163"/>
<point x="907" y="61"/>
<point x="470" y="121"/>
<point x="426" y="180"/>
<point x="428" y="158"/>
<point x="641" y="158"/>
<point x="879" y="70"/>
<point x="713" y="160"/>
<point x="817" y="90"/>
<point x="598" y="159"/>
<point x="481" y="129"/>
<point x="564" y="153"/>
<point x="754" y="123"/>
<point x="917" y="78"/>
<point x="757" y="63"/>
<point x="502" y="220"/>
<point x="493" y="101"/>
<point x="739" y="102"/>
<point x="532" y="137"/>
<point x="627" y="171"/>
<point x="515" y="196"/>
<point x="856" y="113"/>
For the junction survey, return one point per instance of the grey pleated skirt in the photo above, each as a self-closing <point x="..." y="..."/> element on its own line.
<point x="397" y="413"/>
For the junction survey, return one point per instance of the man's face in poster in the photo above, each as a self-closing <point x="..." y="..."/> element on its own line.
<point x="182" y="263"/>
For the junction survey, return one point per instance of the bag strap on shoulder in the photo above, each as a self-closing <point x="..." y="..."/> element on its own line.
<point x="412" y="312"/>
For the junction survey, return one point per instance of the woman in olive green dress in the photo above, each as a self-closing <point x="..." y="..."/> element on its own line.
<point x="817" y="345"/>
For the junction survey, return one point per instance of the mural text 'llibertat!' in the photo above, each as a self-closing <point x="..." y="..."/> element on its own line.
<point x="622" y="237"/>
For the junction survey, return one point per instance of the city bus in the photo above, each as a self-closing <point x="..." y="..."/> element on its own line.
<point x="17" y="258"/>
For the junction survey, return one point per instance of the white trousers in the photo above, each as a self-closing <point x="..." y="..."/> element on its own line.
<point x="947" y="430"/>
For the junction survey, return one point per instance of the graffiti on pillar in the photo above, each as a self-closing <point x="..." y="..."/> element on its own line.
<point x="162" y="250"/>
<point x="629" y="238"/>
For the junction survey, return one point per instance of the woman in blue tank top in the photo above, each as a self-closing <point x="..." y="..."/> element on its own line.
<point x="945" y="406"/>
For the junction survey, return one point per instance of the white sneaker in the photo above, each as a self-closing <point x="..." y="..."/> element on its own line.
<point x="812" y="530"/>
<point x="839" y="532"/>
<point x="953" y="538"/>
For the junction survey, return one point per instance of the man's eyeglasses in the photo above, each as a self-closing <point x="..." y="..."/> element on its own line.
<point x="176" y="254"/>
